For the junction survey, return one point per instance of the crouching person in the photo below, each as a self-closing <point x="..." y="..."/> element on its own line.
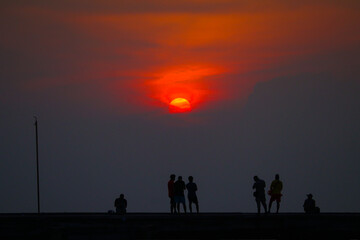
<point x="310" y="206"/>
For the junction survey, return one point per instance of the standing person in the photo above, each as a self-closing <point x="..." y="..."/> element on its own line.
<point x="275" y="192"/>
<point x="179" y="187"/>
<point x="259" y="193"/>
<point x="121" y="205"/>
<point x="171" y="193"/>
<point x="192" y="188"/>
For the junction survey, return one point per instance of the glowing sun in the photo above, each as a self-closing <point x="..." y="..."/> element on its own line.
<point x="179" y="105"/>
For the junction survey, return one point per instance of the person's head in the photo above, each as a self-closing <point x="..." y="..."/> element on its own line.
<point x="172" y="176"/>
<point x="121" y="195"/>
<point x="310" y="196"/>
<point x="190" y="178"/>
<point x="256" y="178"/>
<point x="277" y="177"/>
<point x="179" y="177"/>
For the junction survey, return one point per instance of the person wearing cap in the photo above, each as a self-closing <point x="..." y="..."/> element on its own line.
<point x="309" y="205"/>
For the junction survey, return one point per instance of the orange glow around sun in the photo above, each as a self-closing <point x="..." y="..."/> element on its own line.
<point x="179" y="105"/>
<point x="183" y="88"/>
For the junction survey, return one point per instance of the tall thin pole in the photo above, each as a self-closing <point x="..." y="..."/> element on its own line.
<point x="37" y="164"/>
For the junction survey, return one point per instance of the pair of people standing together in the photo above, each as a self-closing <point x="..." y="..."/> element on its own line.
<point x="275" y="193"/>
<point x="177" y="196"/>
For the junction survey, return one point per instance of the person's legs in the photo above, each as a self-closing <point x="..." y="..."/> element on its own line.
<point x="177" y="204"/>
<point x="190" y="206"/>
<point x="182" y="200"/>
<point x="184" y="205"/>
<point x="172" y="208"/>
<point x="277" y="206"/>
<point x="258" y="205"/>
<point x="264" y="205"/>
<point x="270" y="203"/>
<point x="197" y="207"/>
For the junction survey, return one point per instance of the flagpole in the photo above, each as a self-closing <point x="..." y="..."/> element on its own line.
<point x="37" y="164"/>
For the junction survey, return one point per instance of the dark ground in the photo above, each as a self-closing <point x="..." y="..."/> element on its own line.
<point x="166" y="226"/>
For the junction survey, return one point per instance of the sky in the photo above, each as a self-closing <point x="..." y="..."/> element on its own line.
<point x="272" y="87"/>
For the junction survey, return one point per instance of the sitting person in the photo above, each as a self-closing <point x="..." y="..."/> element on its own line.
<point x="120" y="204"/>
<point x="310" y="206"/>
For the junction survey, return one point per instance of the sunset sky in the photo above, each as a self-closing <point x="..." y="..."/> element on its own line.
<point x="273" y="88"/>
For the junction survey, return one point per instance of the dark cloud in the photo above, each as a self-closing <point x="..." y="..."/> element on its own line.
<point x="185" y="6"/>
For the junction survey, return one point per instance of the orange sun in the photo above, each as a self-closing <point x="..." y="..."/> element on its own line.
<point x="179" y="105"/>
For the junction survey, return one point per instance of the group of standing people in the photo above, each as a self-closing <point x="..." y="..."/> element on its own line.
<point x="274" y="192"/>
<point x="176" y="192"/>
<point x="275" y="195"/>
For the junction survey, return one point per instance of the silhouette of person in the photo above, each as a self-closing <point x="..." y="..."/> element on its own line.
<point x="309" y="205"/>
<point x="179" y="187"/>
<point x="192" y="188"/>
<point x="259" y="193"/>
<point x="120" y="204"/>
<point x="275" y="192"/>
<point x="171" y="193"/>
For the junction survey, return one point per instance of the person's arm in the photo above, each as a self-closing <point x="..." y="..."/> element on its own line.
<point x="170" y="189"/>
<point x="272" y="186"/>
